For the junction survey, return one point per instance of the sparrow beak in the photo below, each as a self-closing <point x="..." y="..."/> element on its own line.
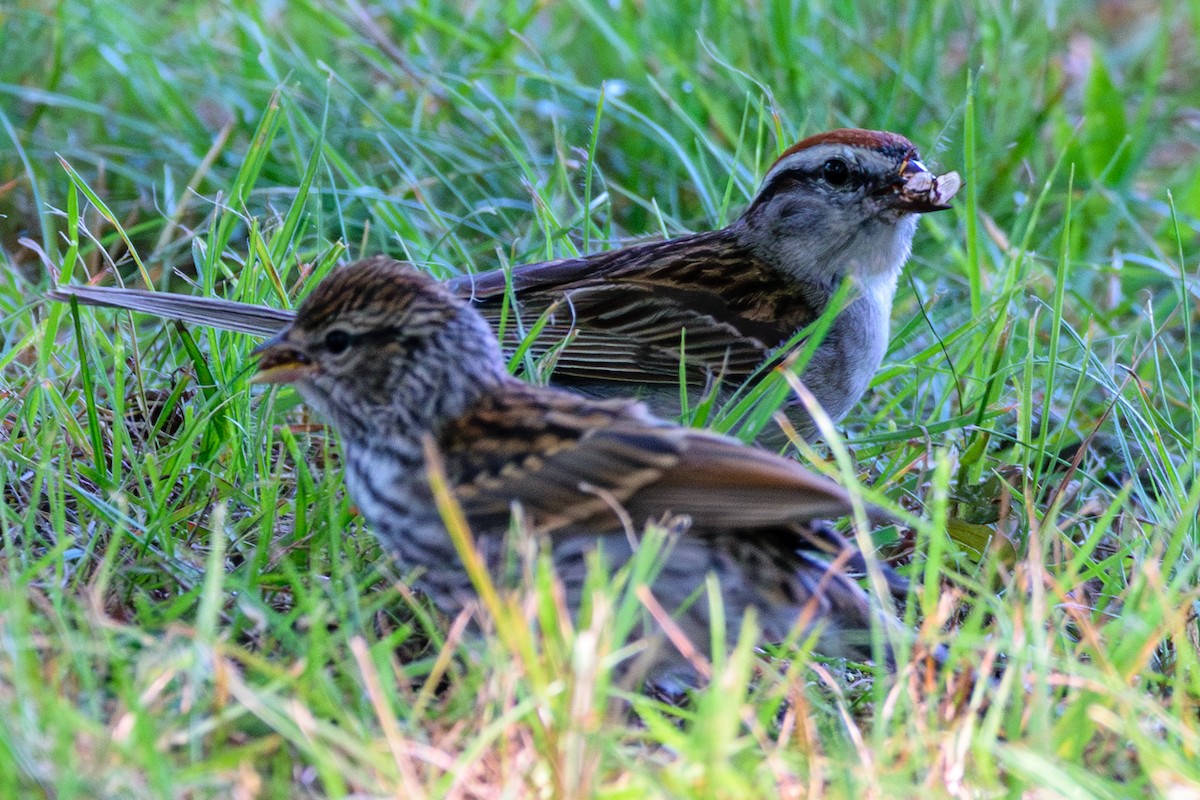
<point x="280" y="361"/>
<point x="918" y="191"/>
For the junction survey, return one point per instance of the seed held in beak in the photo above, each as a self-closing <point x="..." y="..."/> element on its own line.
<point x="920" y="191"/>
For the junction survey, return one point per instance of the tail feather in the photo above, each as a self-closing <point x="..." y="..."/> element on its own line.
<point x="224" y="314"/>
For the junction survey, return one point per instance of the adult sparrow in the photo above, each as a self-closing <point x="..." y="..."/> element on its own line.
<point x="394" y="359"/>
<point x="839" y="206"/>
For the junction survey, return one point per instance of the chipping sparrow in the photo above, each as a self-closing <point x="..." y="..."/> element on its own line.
<point x="839" y="205"/>
<point x="393" y="358"/>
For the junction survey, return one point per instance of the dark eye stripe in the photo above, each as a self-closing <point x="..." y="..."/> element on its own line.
<point x="781" y="180"/>
<point x="373" y="336"/>
<point x="795" y="174"/>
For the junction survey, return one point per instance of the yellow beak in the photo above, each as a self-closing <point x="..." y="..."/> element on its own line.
<point x="279" y="361"/>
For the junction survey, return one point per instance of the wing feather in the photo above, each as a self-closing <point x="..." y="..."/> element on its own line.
<point x="568" y="465"/>
<point x="628" y="311"/>
<point x="722" y="484"/>
<point x="633" y="330"/>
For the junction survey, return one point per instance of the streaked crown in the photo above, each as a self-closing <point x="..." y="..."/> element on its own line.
<point x="378" y="290"/>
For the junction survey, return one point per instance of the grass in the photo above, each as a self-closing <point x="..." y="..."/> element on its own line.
<point x="189" y="607"/>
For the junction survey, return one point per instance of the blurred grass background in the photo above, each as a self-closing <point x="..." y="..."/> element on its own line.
<point x="191" y="609"/>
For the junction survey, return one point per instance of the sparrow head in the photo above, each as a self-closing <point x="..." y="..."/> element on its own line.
<point x="379" y="343"/>
<point x="844" y="201"/>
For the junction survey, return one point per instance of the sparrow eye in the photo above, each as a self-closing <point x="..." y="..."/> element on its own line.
<point x="835" y="172"/>
<point x="336" y="341"/>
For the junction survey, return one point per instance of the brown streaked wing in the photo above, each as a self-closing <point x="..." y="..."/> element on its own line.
<point x="555" y="453"/>
<point x="625" y="309"/>
<point x="632" y="332"/>
<point x="546" y="281"/>
<point x="566" y="460"/>
<point x="486" y="288"/>
<point x="708" y="274"/>
<point x="722" y="484"/>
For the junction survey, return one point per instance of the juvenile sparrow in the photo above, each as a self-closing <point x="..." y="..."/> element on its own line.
<point x="391" y="357"/>
<point x="841" y="205"/>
